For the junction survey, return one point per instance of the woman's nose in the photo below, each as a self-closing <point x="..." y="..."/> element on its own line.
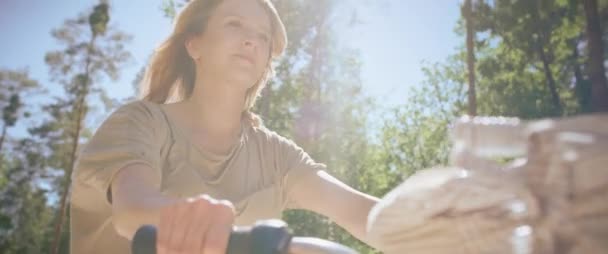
<point x="249" y="40"/>
<point x="248" y="43"/>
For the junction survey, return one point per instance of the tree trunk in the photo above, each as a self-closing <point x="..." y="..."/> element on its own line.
<point x="582" y="88"/>
<point x="80" y="111"/>
<point x="468" y="15"/>
<point x="599" y="87"/>
<point x="557" y="105"/>
<point x="541" y="39"/>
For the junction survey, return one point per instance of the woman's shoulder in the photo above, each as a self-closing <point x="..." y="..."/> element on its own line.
<point x="139" y="108"/>
<point x="134" y="115"/>
<point x="133" y="126"/>
<point x="130" y="133"/>
<point x="138" y="112"/>
<point x="263" y="133"/>
<point x="271" y="137"/>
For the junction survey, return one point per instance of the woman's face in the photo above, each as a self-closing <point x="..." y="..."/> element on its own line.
<point x="235" y="44"/>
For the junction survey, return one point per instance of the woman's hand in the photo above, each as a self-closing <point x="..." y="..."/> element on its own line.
<point x="199" y="225"/>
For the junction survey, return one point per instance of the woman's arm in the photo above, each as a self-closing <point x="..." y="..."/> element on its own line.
<point x="136" y="200"/>
<point x="194" y="225"/>
<point x="326" y="195"/>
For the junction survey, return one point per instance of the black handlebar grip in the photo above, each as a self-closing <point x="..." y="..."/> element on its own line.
<point x="266" y="237"/>
<point x="270" y="237"/>
<point x="144" y="241"/>
<point x="239" y="241"/>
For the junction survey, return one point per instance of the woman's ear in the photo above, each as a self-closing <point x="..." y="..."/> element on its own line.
<point x="191" y="45"/>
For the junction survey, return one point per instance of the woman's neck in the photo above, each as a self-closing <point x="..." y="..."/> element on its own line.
<point x="216" y="109"/>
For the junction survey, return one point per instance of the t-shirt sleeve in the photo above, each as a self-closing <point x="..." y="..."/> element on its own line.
<point x="294" y="165"/>
<point x="129" y="135"/>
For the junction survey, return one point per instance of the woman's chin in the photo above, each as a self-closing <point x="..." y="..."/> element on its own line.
<point x="243" y="79"/>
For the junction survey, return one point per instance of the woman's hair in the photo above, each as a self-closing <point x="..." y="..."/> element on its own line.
<point x="171" y="73"/>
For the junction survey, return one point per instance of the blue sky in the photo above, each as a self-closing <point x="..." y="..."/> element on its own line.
<point x="394" y="40"/>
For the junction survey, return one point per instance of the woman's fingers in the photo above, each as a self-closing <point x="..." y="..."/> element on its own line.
<point x="218" y="234"/>
<point x="196" y="225"/>
<point x="195" y="237"/>
<point x="181" y="217"/>
<point x="164" y="229"/>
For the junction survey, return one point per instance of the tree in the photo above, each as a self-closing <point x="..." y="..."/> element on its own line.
<point x="517" y="31"/>
<point x="25" y="217"/>
<point x="599" y="86"/>
<point x="14" y="85"/>
<point x="93" y="50"/>
<point x="22" y="204"/>
<point x="467" y="13"/>
<point x="530" y="27"/>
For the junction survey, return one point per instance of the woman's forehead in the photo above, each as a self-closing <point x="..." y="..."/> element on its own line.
<point x="249" y="10"/>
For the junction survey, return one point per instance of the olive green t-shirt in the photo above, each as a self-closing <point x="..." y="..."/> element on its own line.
<point x="255" y="176"/>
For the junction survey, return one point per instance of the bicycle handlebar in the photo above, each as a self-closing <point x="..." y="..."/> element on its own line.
<point x="265" y="237"/>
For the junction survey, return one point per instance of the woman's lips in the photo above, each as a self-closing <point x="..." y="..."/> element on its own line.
<point x="244" y="57"/>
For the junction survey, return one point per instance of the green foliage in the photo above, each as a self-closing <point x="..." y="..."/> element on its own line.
<point x="25" y="217"/>
<point x="531" y="51"/>
<point x="9" y="114"/>
<point x="14" y="85"/>
<point x="92" y="51"/>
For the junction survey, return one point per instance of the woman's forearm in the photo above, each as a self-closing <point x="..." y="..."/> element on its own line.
<point x="135" y="200"/>
<point x="324" y="194"/>
<point x="356" y="221"/>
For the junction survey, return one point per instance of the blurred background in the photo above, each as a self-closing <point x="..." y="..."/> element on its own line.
<point x="368" y="87"/>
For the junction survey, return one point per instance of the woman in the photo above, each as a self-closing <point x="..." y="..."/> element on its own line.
<point x="190" y="157"/>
